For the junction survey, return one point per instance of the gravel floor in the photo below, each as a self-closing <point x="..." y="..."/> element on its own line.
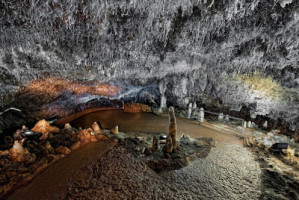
<point x="229" y="172"/>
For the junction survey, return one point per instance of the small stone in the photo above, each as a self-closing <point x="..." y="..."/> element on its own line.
<point x="93" y="138"/>
<point x="67" y="126"/>
<point x="101" y="137"/>
<point x="49" y="148"/>
<point x="62" y="150"/>
<point x="75" y="146"/>
<point x="90" y="131"/>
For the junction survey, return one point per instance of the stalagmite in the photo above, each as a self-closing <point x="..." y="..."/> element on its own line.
<point x="96" y="127"/>
<point x="189" y="110"/>
<point x="155" y="144"/>
<point x="173" y="127"/>
<point x="168" y="145"/>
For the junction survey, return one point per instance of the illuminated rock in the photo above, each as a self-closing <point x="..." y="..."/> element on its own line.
<point x="96" y="128"/>
<point x="75" y="146"/>
<point x="173" y="127"/>
<point x="84" y="135"/>
<point x="20" y="154"/>
<point x="43" y="126"/>
<point x="62" y="150"/>
<point x="114" y="130"/>
<point x="67" y="126"/>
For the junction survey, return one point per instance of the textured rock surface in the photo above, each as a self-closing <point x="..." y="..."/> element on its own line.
<point x="194" y="48"/>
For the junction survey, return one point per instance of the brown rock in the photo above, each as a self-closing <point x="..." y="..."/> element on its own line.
<point x="168" y="145"/>
<point x="136" y="107"/>
<point x="62" y="150"/>
<point x="155" y="144"/>
<point x="93" y="138"/>
<point x="173" y="127"/>
<point x="29" y="158"/>
<point x="90" y="131"/>
<point x="43" y="126"/>
<point x="17" y="135"/>
<point x="75" y="146"/>
<point x="45" y="136"/>
<point x="84" y="135"/>
<point x="4" y="153"/>
<point x="114" y="130"/>
<point x="101" y="137"/>
<point x="49" y="148"/>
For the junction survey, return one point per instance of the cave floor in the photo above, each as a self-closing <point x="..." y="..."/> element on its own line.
<point x="230" y="171"/>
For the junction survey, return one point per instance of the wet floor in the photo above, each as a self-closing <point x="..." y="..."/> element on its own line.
<point x="149" y="122"/>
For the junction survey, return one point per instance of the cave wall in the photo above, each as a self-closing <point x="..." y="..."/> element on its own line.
<point x="199" y="50"/>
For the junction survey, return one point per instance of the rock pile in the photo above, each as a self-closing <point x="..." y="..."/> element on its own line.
<point x="31" y="151"/>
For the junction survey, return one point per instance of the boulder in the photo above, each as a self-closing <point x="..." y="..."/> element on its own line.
<point x="43" y="126"/>
<point x="62" y="150"/>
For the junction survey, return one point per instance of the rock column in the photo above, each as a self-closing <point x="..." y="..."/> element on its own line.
<point x="172" y="127"/>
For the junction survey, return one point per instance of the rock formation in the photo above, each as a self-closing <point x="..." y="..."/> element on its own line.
<point x="173" y="128"/>
<point x="155" y="144"/>
<point x="168" y="146"/>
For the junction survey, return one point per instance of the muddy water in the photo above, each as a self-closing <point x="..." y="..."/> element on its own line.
<point x="49" y="184"/>
<point x="149" y="122"/>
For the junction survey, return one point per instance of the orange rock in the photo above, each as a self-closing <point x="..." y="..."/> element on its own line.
<point x="136" y="107"/>
<point x="43" y="126"/>
<point x="90" y="131"/>
<point x="62" y="150"/>
<point x="101" y="137"/>
<point x="84" y="141"/>
<point x="93" y="138"/>
<point x="45" y="136"/>
<point x="17" y="152"/>
<point x="84" y="135"/>
<point x="75" y="146"/>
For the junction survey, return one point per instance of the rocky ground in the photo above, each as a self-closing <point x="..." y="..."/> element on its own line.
<point x="229" y="172"/>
